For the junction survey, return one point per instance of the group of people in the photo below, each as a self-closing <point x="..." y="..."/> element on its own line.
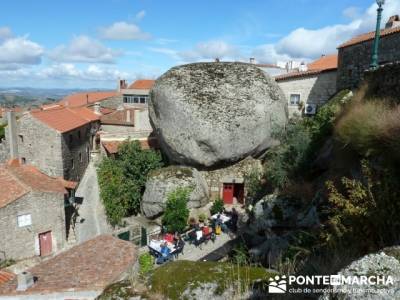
<point x="166" y="253"/>
<point x="198" y="233"/>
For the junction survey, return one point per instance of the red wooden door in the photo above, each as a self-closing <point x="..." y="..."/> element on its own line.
<point x="45" y="243"/>
<point x="227" y="193"/>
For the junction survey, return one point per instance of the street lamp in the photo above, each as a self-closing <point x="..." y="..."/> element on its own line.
<point x="374" y="58"/>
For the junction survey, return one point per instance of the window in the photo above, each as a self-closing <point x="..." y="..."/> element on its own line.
<point x="21" y="138"/>
<point x="79" y="134"/>
<point x="80" y="157"/>
<point x="70" y="139"/>
<point x="23" y="160"/>
<point x="72" y="164"/>
<point x="294" y="99"/>
<point x="135" y="99"/>
<point x="24" y="220"/>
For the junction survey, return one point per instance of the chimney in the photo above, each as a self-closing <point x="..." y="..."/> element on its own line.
<point x="96" y="108"/>
<point x="128" y="116"/>
<point x="303" y="67"/>
<point x="87" y="98"/>
<point x="25" y="281"/>
<point x="393" y="22"/>
<point x="252" y="60"/>
<point x="12" y="134"/>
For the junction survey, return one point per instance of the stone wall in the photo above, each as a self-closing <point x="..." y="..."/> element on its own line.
<point x="75" y="147"/>
<point x="356" y="59"/>
<point x="40" y="145"/>
<point x="384" y="82"/>
<point x="239" y="170"/>
<point x="4" y="151"/>
<point x="315" y="89"/>
<point x="47" y="214"/>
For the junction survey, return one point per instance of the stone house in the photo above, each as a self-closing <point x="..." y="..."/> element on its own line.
<point x="32" y="215"/>
<point x="125" y="123"/>
<point x="82" y="272"/>
<point x="58" y="141"/>
<point x="310" y="88"/>
<point x="136" y="94"/>
<point x="355" y="54"/>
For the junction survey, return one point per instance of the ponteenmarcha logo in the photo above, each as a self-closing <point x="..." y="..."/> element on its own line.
<point x="277" y="285"/>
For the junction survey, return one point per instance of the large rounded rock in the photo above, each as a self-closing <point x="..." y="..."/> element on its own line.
<point x="210" y="114"/>
<point x="165" y="180"/>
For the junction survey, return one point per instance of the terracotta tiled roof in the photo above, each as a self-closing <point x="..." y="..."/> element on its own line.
<point x="112" y="146"/>
<point x="65" y="119"/>
<point x="297" y="74"/>
<point x="3" y="110"/>
<point x="6" y="276"/>
<point x="326" y="62"/>
<point x="142" y="84"/>
<point x="119" y="117"/>
<point x="85" y="98"/>
<point x="368" y="37"/>
<point x="17" y="180"/>
<point x="90" y="266"/>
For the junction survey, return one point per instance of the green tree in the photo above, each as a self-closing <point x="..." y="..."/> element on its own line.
<point x="176" y="212"/>
<point x="122" y="180"/>
<point x="217" y="206"/>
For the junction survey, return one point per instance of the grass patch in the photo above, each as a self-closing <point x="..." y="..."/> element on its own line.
<point x="174" y="278"/>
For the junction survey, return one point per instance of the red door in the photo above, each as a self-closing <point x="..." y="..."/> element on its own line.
<point x="227" y="194"/>
<point x="45" y="243"/>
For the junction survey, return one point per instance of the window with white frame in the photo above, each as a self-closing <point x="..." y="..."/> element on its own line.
<point x="135" y="99"/>
<point x="294" y="99"/>
<point x="24" y="220"/>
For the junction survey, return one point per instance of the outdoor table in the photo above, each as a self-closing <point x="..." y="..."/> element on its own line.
<point x="155" y="245"/>
<point x="224" y="218"/>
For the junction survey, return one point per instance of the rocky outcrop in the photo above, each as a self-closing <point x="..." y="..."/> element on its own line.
<point x="275" y="220"/>
<point x="383" y="264"/>
<point x="165" y="180"/>
<point x="212" y="114"/>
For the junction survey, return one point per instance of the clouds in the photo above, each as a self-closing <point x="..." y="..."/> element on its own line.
<point x="208" y="50"/>
<point x="83" y="49"/>
<point x="123" y="31"/>
<point x="304" y="43"/>
<point x="15" y="52"/>
<point x="69" y="71"/>
<point x="5" y="33"/>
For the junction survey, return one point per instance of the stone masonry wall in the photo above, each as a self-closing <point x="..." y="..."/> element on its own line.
<point x="384" y="82"/>
<point x="239" y="170"/>
<point x="47" y="213"/>
<point x="317" y="89"/>
<point x="76" y="145"/>
<point x="40" y="145"/>
<point x="355" y="60"/>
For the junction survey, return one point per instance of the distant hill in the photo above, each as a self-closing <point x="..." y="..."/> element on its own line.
<point x="26" y="96"/>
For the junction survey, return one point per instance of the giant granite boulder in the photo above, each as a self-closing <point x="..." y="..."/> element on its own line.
<point x="383" y="265"/>
<point x="165" y="180"/>
<point x="212" y="114"/>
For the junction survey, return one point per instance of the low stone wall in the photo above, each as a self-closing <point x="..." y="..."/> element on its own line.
<point x="384" y="82"/>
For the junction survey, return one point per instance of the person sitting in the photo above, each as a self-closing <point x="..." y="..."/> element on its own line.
<point x="165" y="254"/>
<point x="199" y="237"/>
<point x="179" y="245"/>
